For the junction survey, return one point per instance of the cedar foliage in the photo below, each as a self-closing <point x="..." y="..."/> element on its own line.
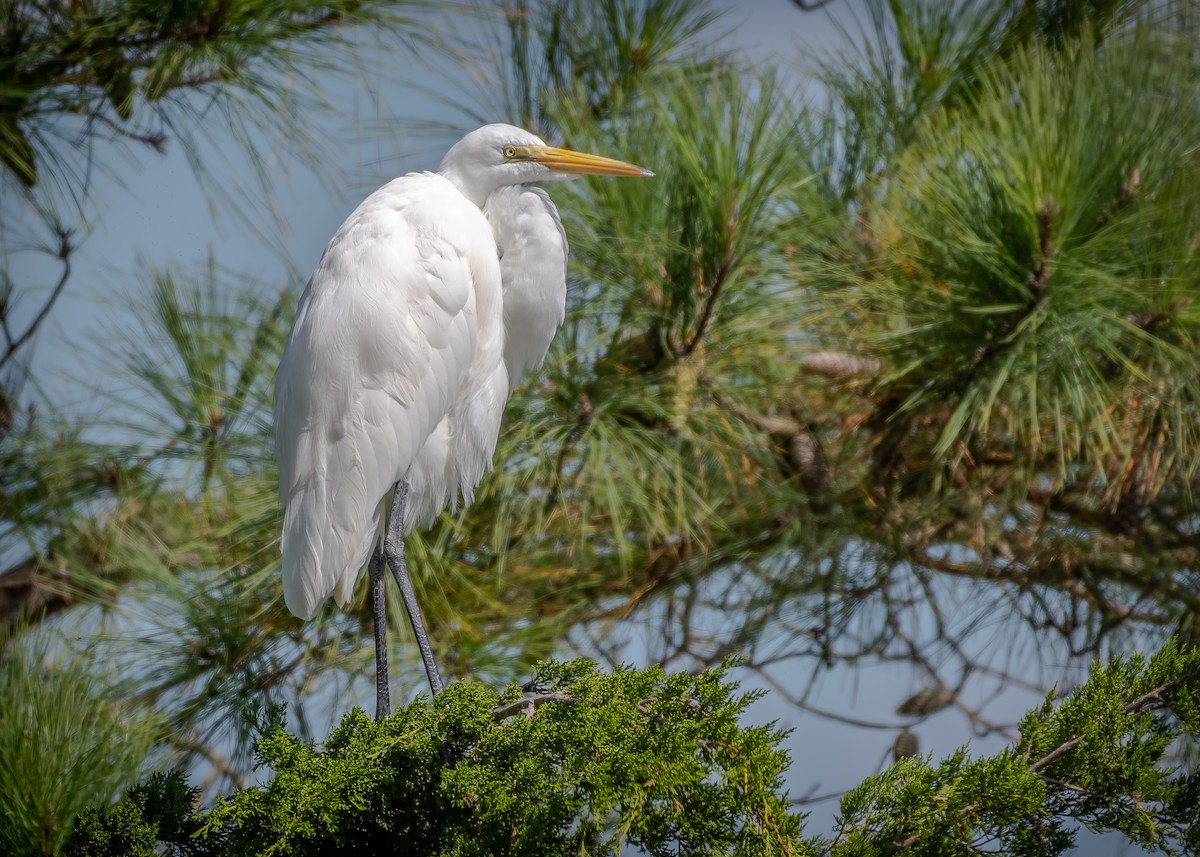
<point x="580" y="762"/>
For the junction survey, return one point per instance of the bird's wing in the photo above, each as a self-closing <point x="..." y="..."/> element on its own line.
<point x="533" y="263"/>
<point x="513" y="333"/>
<point x="384" y="335"/>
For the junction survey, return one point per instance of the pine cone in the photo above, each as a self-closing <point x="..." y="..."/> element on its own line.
<point x="926" y="701"/>
<point x="810" y="462"/>
<point x="905" y="746"/>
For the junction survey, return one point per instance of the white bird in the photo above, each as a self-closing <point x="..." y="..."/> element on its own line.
<point x="433" y="298"/>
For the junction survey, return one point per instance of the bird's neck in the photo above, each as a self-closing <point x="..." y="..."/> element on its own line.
<point x="469" y="186"/>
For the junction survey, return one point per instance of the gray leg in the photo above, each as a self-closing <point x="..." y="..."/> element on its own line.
<point x="393" y="547"/>
<point x="383" y="703"/>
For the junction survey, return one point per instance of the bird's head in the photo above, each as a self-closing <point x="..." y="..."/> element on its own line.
<point x="497" y="156"/>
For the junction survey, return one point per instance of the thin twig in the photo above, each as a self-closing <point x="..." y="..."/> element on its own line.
<point x="65" y="249"/>
<point x="765" y="422"/>
<point x="220" y="763"/>
<point x="1037" y="279"/>
<point x="644" y="707"/>
<point x="156" y="140"/>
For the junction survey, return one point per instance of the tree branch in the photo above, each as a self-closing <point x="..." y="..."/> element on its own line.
<point x="765" y="422"/>
<point x="710" y="304"/>
<point x="1037" y="279"/>
<point x="65" y="248"/>
<point x="156" y="140"/>
<point x="529" y="705"/>
<point x="219" y="762"/>
<point x="28" y="592"/>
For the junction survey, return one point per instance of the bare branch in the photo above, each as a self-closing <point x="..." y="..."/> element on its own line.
<point x="219" y="762"/>
<point x="65" y="248"/>
<point x="530" y="705"/>
<point x="156" y="140"/>
<point x="765" y="422"/>
<point x="28" y="592"/>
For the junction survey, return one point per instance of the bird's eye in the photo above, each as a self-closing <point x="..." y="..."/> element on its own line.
<point x="510" y="152"/>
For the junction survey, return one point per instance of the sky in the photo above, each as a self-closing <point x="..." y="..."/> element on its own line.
<point x="151" y="213"/>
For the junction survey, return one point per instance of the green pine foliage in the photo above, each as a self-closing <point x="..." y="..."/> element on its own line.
<point x="1019" y="274"/>
<point x="68" y="739"/>
<point x="1008" y="270"/>
<point x="131" y="69"/>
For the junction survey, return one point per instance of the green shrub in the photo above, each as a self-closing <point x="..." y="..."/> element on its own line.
<point x="581" y="763"/>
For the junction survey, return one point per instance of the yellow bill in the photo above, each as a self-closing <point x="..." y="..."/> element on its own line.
<point x="577" y="163"/>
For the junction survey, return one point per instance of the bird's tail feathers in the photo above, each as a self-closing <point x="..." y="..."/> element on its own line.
<point x="329" y="532"/>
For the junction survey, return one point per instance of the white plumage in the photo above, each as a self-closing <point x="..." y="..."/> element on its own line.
<point x="398" y="313"/>
<point x="438" y="292"/>
<point x="529" y="237"/>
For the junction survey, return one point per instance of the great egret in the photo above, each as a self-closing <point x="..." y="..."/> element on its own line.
<point x="429" y="303"/>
